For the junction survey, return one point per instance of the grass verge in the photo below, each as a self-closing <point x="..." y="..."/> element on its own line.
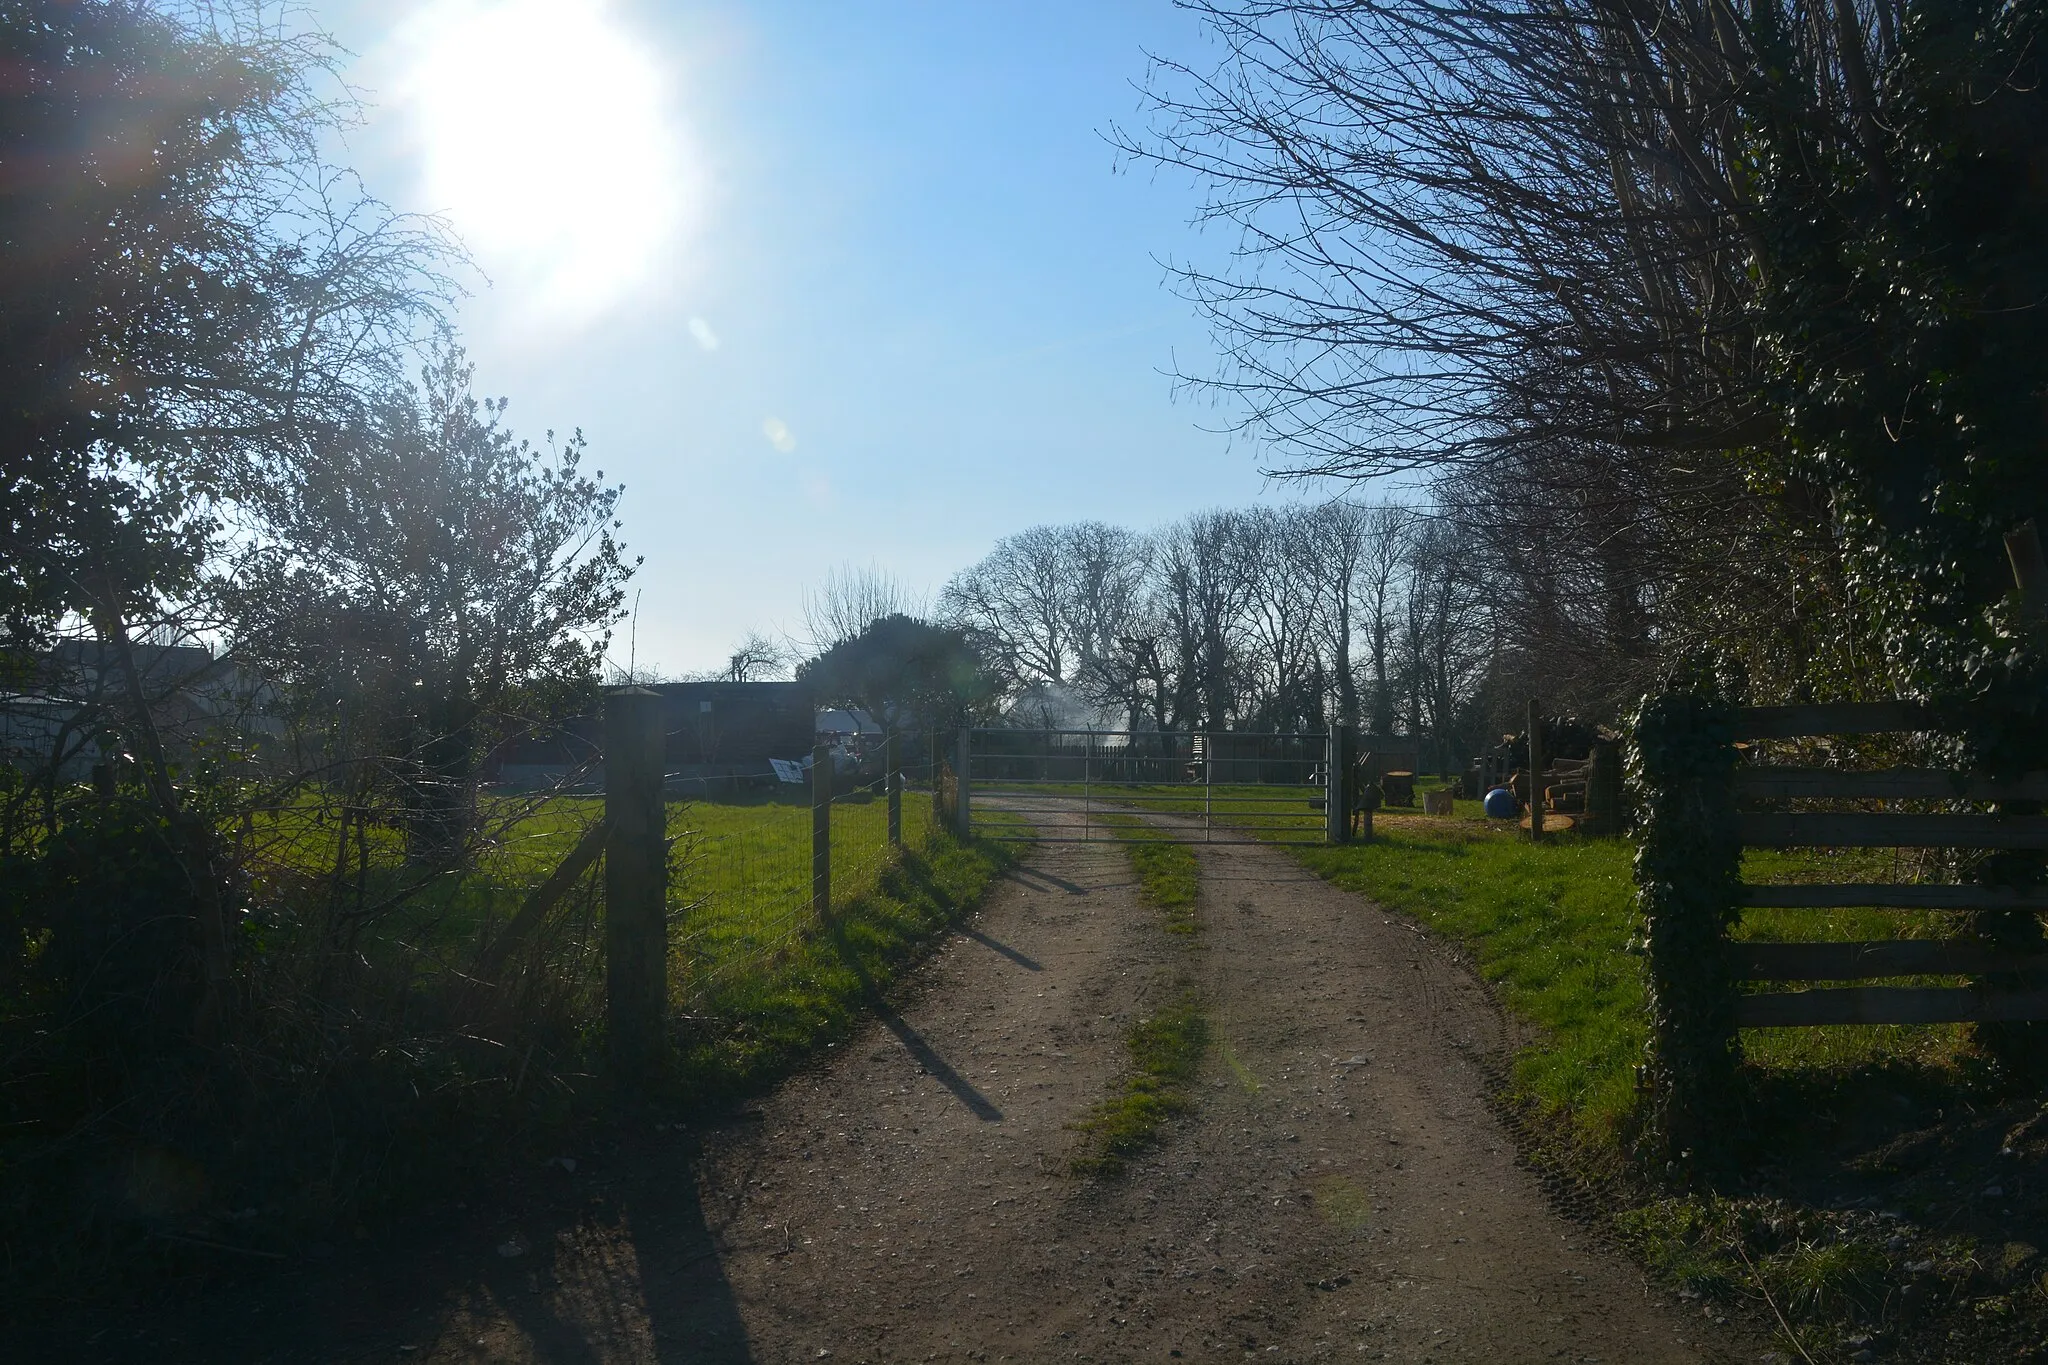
<point x="1166" y="1051"/>
<point x="748" y="1027"/>
<point x="1549" y="925"/>
<point x="1168" y="876"/>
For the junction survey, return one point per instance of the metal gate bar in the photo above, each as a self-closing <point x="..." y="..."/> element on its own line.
<point x="1045" y="772"/>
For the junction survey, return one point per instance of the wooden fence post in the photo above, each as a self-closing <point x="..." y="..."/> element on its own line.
<point x="1337" y="790"/>
<point x="1603" y="790"/>
<point x="1535" y="770"/>
<point x="635" y="879"/>
<point x="892" y="759"/>
<point x="1688" y="874"/>
<point x="963" y="812"/>
<point x="821" y="831"/>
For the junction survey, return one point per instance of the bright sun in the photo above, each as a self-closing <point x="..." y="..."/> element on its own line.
<point x="547" y="143"/>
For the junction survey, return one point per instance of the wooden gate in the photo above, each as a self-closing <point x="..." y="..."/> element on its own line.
<point x="2004" y="990"/>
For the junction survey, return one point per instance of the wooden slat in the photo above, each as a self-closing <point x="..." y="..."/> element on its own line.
<point x="1833" y="718"/>
<point x="1889" y="784"/>
<point x="1893" y="896"/>
<point x="1893" y="831"/>
<point x="537" y="905"/>
<point x="1861" y="961"/>
<point x="1888" y="1005"/>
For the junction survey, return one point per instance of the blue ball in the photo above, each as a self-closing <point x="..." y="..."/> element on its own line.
<point x="1501" y="804"/>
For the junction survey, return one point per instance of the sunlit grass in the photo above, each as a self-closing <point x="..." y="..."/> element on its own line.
<point x="1168" y="876"/>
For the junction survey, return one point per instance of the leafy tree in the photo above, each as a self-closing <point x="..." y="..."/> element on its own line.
<point x="1907" y="325"/>
<point x="429" y="585"/>
<point x="906" y="673"/>
<point x="187" y="289"/>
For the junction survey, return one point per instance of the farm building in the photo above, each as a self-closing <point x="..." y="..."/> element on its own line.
<point x="719" y="729"/>
<point x="714" y="729"/>
<point x="77" y="690"/>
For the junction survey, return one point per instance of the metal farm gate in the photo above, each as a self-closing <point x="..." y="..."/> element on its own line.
<point x="1100" y="786"/>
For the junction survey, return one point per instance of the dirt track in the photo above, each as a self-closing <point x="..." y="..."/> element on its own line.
<point x="1342" y="1190"/>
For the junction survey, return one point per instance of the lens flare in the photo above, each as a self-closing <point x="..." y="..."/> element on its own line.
<point x="547" y="141"/>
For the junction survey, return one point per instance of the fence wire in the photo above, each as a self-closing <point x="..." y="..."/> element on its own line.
<point x="741" y="863"/>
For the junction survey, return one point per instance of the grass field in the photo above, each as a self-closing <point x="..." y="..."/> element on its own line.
<point x="756" y="979"/>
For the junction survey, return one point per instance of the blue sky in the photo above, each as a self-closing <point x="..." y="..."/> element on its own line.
<point x="871" y="287"/>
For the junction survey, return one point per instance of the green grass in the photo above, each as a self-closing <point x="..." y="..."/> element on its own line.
<point x="1549" y="925"/>
<point x="750" y="1017"/>
<point x="756" y="980"/>
<point x="1168" y="876"/>
<point x="1166" y="1053"/>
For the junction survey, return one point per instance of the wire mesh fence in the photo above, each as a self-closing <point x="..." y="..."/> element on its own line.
<point x="745" y="884"/>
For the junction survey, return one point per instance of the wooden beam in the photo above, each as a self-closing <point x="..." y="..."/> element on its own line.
<point x="537" y="905"/>
<point x="1888" y="1005"/>
<point x="1893" y="831"/>
<point x="1893" y="896"/>
<point x="1832" y="718"/>
<point x="1862" y="961"/>
<point x="635" y="880"/>
<point x="1887" y="784"/>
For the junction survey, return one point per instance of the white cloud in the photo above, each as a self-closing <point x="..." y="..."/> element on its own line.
<point x="706" y="338"/>
<point x="779" y="435"/>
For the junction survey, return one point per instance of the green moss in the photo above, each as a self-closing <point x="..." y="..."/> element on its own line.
<point x="1166" y="1051"/>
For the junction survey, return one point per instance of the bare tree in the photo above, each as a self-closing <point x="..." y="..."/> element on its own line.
<point x="1107" y="569"/>
<point x="1519" y="250"/>
<point x="757" y="658"/>
<point x="1199" y="594"/>
<point x="1017" y="602"/>
<point x="1285" y="604"/>
<point x="849" y="601"/>
<point x="1386" y="534"/>
<point x="1446" y="639"/>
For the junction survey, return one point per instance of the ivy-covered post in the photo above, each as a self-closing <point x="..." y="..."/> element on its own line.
<point x="1688" y="871"/>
